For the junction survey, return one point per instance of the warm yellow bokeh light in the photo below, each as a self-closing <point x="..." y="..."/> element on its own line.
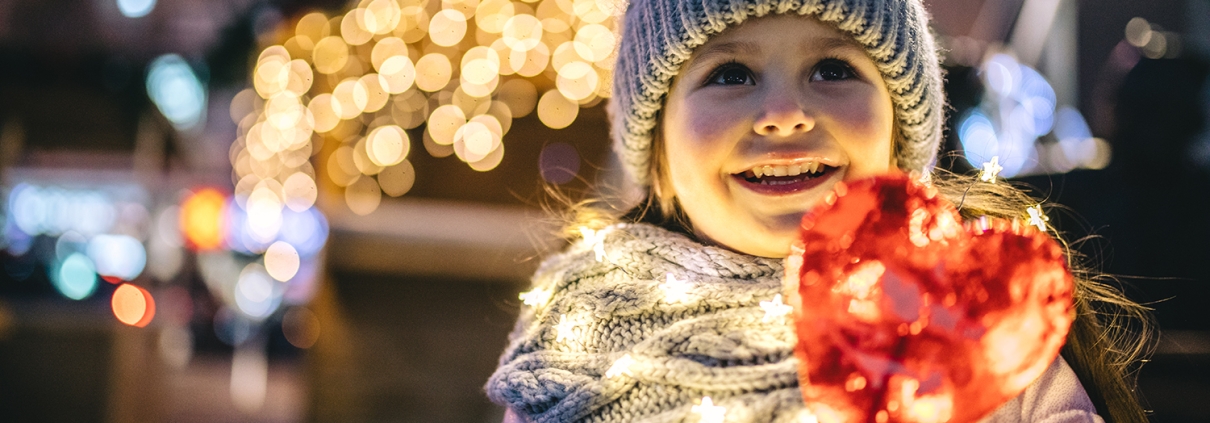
<point x="398" y="74"/>
<point x="447" y="27"/>
<point x="490" y="161"/>
<point x="532" y="62"/>
<point x="444" y="122"/>
<point x="594" y="42"/>
<point x="520" y="95"/>
<point x="203" y="219"/>
<point x="343" y="102"/>
<point x="387" y="48"/>
<point x="352" y="28"/>
<point x="321" y="109"/>
<point x="339" y="165"/>
<point x="556" y="111"/>
<point x="593" y="11"/>
<point x="281" y="261"/>
<point x="470" y="103"/>
<point x="313" y="26"/>
<point x="331" y="54"/>
<point x="244" y="103"/>
<point x="363" y="195"/>
<point x="473" y="141"/>
<point x="433" y="72"/>
<point x="361" y="159"/>
<point x="387" y="145"/>
<point x="271" y="76"/>
<point x="370" y="94"/>
<point x="381" y="16"/>
<point x="300" y="191"/>
<point x="480" y="65"/>
<point x="491" y="15"/>
<point x="503" y="115"/>
<point x="577" y="81"/>
<point x="398" y="179"/>
<point x="522" y="32"/>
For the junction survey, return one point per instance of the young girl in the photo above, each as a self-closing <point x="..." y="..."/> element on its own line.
<point x="737" y="117"/>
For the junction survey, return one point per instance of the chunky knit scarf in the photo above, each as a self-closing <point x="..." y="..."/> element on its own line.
<point x="636" y="323"/>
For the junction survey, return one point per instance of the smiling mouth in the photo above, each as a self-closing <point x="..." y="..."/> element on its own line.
<point x="784" y="179"/>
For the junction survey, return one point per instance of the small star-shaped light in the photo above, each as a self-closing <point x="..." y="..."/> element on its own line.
<point x="564" y="329"/>
<point x="991" y="170"/>
<point x="775" y="309"/>
<point x="1036" y="217"/>
<point x="675" y="291"/>
<point x="620" y="367"/>
<point x="710" y="413"/>
<point x="596" y="239"/>
<point x="535" y="298"/>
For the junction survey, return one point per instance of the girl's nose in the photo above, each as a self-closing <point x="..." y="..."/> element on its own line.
<point x="783" y="119"/>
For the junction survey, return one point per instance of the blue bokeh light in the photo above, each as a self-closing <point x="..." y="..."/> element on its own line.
<point x="135" y="8"/>
<point x="76" y="277"/>
<point x="177" y="91"/>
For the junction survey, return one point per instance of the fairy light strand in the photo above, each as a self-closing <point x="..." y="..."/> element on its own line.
<point x="1037" y="217"/>
<point x="991" y="170"/>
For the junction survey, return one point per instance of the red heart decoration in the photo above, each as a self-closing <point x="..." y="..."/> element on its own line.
<point x="906" y="314"/>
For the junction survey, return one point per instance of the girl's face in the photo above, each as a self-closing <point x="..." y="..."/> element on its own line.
<point x="763" y="120"/>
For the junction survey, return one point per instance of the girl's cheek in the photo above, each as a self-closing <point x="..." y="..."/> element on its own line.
<point x="707" y="120"/>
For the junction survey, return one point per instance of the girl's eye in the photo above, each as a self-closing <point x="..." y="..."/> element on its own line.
<point x="833" y="70"/>
<point x="731" y="75"/>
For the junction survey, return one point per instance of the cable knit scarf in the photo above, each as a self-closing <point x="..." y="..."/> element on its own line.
<point x="636" y="323"/>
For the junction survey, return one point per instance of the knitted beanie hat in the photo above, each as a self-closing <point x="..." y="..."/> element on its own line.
<point x="658" y="36"/>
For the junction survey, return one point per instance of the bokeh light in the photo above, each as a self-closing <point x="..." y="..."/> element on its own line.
<point x="177" y="91"/>
<point x="75" y="277"/>
<point x="133" y="305"/>
<point x="364" y="78"/>
<point x="556" y="111"/>
<point x="257" y="295"/>
<point x="117" y="257"/>
<point x="135" y="8"/>
<point x="301" y="327"/>
<point x="202" y="219"/>
<point x="281" y="261"/>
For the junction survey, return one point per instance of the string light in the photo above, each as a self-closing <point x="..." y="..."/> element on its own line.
<point x="990" y="170"/>
<point x="675" y="291"/>
<point x="620" y="367"/>
<point x="537" y="297"/>
<point x="709" y="412"/>
<point x="596" y="239"/>
<point x="775" y="309"/>
<point x="565" y="329"/>
<point x="1037" y="218"/>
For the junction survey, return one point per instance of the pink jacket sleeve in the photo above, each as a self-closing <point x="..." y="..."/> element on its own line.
<point x="1056" y="397"/>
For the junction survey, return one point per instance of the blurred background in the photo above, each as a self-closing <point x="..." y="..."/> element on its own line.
<point x="303" y="211"/>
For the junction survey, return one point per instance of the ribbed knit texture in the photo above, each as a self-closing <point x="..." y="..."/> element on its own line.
<point x="658" y="36"/>
<point x="716" y="343"/>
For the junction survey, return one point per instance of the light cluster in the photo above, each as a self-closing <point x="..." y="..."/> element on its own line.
<point x="370" y="78"/>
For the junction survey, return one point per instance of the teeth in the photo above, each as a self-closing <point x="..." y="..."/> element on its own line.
<point x="791" y="170"/>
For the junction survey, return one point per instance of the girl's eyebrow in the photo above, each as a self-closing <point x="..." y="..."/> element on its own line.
<point x="732" y="48"/>
<point x="729" y="48"/>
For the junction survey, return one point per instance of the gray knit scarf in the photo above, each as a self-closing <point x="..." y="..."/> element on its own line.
<point x="640" y="324"/>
